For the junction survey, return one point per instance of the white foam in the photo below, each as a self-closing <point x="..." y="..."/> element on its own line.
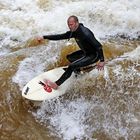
<point x="81" y="118"/>
<point x="68" y="119"/>
<point x="133" y="55"/>
<point x="28" y="69"/>
<point x="37" y="60"/>
<point x="24" y="19"/>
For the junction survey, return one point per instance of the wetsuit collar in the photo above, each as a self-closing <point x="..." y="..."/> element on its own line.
<point x="78" y="29"/>
<point x="80" y="24"/>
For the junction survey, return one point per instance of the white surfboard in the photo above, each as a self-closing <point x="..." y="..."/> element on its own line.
<point x="35" y="91"/>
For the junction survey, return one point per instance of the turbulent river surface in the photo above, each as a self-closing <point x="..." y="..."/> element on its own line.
<point x="98" y="105"/>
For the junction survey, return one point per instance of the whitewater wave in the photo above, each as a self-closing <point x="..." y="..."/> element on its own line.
<point x="22" y="20"/>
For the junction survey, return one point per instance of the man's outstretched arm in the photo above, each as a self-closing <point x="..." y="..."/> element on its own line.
<point x="55" y="37"/>
<point x="58" y="36"/>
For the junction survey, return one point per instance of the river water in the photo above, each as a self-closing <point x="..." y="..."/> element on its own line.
<point x="98" y="105"/>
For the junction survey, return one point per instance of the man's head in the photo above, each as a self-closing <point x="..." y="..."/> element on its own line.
<point x="73" y="23"/>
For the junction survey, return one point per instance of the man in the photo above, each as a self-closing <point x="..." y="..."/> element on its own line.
<point x="91" y="50"/>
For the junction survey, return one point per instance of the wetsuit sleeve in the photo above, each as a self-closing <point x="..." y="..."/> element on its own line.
<point x="92" y="40"/>
<point x="101" y="55"/>
<point x="58" y="37"/>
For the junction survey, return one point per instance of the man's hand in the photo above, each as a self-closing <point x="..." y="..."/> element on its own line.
<point x="100" y="65"/>
<point x="39" y="39"/>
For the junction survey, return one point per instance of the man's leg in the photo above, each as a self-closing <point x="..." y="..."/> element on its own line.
<point x="75" y="56"/>
<point x="71" y="57"/>
<point x="84" y="61"/>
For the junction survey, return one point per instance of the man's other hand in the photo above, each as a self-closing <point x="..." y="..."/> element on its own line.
<point x="40" y="39"/>
<point x="100" y="65"/>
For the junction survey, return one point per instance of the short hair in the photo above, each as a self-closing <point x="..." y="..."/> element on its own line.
<point x="74" y="17"/>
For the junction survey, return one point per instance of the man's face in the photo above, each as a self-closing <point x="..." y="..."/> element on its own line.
<point x="72" y="24"/>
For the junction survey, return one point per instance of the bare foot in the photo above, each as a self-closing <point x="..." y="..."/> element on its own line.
<point x="51" y="84"/>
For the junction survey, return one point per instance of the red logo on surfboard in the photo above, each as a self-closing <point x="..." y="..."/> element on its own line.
<point x="47" y="88"/>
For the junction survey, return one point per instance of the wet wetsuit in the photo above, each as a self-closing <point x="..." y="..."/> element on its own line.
<point x="91" y="50"/>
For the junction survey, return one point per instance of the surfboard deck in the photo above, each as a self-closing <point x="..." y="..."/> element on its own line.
<point x="35" y="91"/>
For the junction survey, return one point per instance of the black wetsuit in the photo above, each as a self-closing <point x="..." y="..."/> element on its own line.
<point x="91" y="50"/>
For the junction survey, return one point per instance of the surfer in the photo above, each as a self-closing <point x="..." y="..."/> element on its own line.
<point x="90" y="49"/>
